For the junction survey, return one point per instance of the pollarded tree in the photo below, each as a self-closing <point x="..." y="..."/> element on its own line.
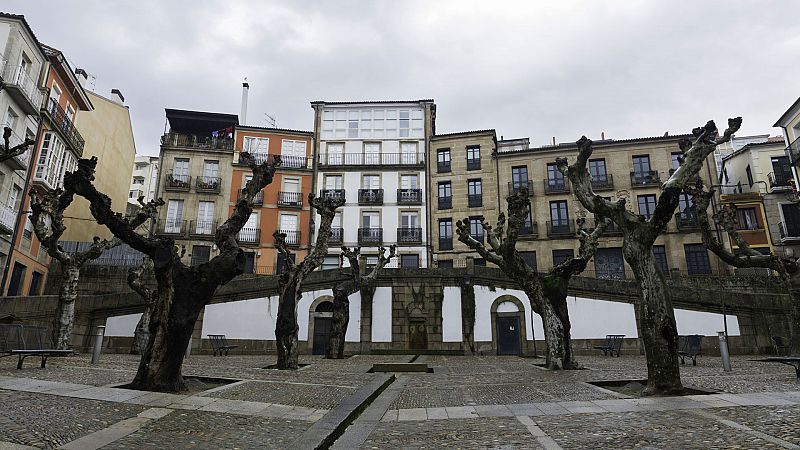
<point x="292" y="278"/>
<point x="47" y="217"/>
<point x="183" y="291"/>
<point x="7" y="151"/>
<point x="785" y="267"/>
<point x="657" y="318"/>
<point x="142" y="332"/>
<point x="343" y="291"/>
<point x="547" y="293"/>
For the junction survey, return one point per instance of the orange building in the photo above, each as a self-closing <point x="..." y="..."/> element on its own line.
<point x="283" y="205"/>
<point x="59" y="146"/>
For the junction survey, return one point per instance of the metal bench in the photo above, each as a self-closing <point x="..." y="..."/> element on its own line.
<point x="612" y="344"/>
<point x="689" y="348"/>
<point x="793" y="361"/>
<point x="219" y="344"/>
<point x="780" y="347"/>
<point x="25" y="340"/>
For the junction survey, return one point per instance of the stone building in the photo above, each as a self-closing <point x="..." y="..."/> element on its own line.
<point x="195" y="180"/>
<point x="373" y="155"/>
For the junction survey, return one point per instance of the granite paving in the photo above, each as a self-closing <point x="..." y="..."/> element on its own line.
<point x="488" y="432"/>
<point x="296" y="394"/>
<point x="782" y="422"/>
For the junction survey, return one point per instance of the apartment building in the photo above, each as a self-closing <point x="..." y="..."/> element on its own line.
<point x="144" y="179"/>
<point x="464" y="186"/>
<point x="195" y="180"/>
<point x="58" y="149"/>
<point x="789" y="123"/>
<point x="757" y="180"/>
<point x="22" y="61"/>
<point x="372" y="154"/>
<point x="283" y="205"/>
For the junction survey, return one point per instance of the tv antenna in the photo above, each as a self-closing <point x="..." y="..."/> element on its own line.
<point x="272" y="121"/>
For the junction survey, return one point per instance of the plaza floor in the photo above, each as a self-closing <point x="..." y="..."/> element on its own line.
<point x="467" y="402"/>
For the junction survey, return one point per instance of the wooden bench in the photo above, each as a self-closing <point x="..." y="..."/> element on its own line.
<point x="612" y="344"/>
<point x="689" y="348"/>
<point x="25" y="340"/>
<point x="219" y="344"/>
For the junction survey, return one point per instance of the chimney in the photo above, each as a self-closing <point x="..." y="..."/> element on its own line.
<point x="116" y="95"/>
<point x="245" y="90"/>
<point x="554" y="140"/>
<point x="81" y="75"/>
<point x="602" y="135"/>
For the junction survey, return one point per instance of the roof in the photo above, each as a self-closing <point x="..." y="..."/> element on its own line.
<point x="670" y="137"/>
<point x="273" y="130"/>
<point x="199" y="122"/>
<point x="321" y="102"/>
<point x="21" y="18"/>
<point x="59" y="61"/>
<point x="777" y="144"/>
<point x="782" y="120"/>
<point x="464" y="133"/>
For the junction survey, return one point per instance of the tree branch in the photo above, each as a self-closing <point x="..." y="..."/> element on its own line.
<point x="135" y="275"/>
<point x="382" y="261"/>
<point x="462" y="229"/>
<point x="283" y="249"/>
<point x="7" y="152"/>
<point x="589" y="242"/>
<point x="326" y="208"/>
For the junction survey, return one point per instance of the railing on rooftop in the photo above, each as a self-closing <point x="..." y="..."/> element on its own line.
<point x="174" y="139"/>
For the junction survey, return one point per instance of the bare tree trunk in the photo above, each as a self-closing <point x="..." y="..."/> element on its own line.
<point x="64" y="319"/>
<point x="142" y="332"/>
<point x="286" y="328"/>
<point x="341" y="318"/>
<point x="551" y="323"/>
<point x="554" y="291"/>
<point x="468" y="315"/>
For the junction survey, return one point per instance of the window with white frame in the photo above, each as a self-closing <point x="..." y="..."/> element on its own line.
<point x="335" y="154"/>
<point x="256" y="145"/>
<point x="334" y="182"/>
<point x="205" y="218"/>
<point x="293" y="153"/>
<point x="54" y="159"/>
<point x="372" y="123"/>
<point x="372" y="153"/>
<point x="174" y="220"/>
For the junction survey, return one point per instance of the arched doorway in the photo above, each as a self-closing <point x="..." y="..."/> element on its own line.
<point x="509" y="322"/>
<point x="322" y="322"/>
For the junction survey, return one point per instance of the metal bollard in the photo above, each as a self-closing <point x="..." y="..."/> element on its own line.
<point x="723" y="351"/>
<point x="98" y="343"/>
<point x="189" y="347"/>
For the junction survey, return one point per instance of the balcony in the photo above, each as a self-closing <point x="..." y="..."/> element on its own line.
<point x="556" y="186"/>
<point x="529" y="229"/>
<point x="179" y="183"/>
<point x="21" y="86"/>
<point x="604" y="182"/>
<point x="292" y="238"/>
<point x="370" y="236"/>
<point x="790" y="232"/>
<point x="18" y="162"/>
<point x="329" y="160"/>
<point x="409" y="235"/>
<point x="445" y="202"/>
<point x="258" y="200"/>
<point x="561" y="229"/>
<point x="516" y="186"/>
<point x="290" y="199"/>
<point x="370" y="196"/>
<point x="686" y="221"/>
<point x="475" y="200"/>
<point x="7" y="219"/>
<point x="780" y="180"/>
<point x="207" y="142"/>
<point x="446" y="243"/>
<point x="249" y="236"/>
<point x="209" y="185"/>
<point x="337" y="235"/>
<point x="64" y="124"/>
<point x="409" y="196"/>
<point x="443" y="167"/>
<point x="645" y="179"/>
<point x="473" y="164"/>
<point x="337" y="194"/>
<point x="793" y="152"/>
<point x="257" y="158"/>
<point x="171" y="228"/>
<point x="203" y="229"/>
<point x="294" y="162"/>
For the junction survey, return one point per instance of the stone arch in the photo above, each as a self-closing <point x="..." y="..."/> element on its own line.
<point x="318" y="310"/>
<point x="509" y="306"/>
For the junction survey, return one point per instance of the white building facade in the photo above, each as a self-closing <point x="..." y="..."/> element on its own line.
<point x="144" y="179"/>
<point x="372" y="154"/>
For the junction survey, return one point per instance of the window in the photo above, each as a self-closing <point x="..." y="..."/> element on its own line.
<point x="405" y="123"/>
<point x="409" y="220"/>
<point x="210" y="170"/>
<point x="519" y="178"/>
<point x="70" y="113"/>
<point x="330" y="262"/>
<point x="559" y="216"/>
<point x="476" y="228"/>
<point x="446" y="234"/>
<point x="555" y="179"/>
<point x="676" y="161"/>
<point x="697" y="262"/>
<point x="11" y="119"/>
<point x="445" y="263"/>
<point x="335" y="154"/>
<point x="180" y="170"/>
<point x="408" y="153"/>
<point x="205" y="218"/>
<point x="138" y="180"/>
<point x="781" y="171"/>
<point x="660" y="254"/>
<point x="529" y="258"/>
<point x="685" y="206"/>
<point x="250" y="232"/>
<point x="17" y="278"/>
<point x="352" y="125"/>
<point x="55" y="92"/>
<point x="27" y="231"/>
<point x="443" y="160"/>
<point x="36" y="283"/>
<point x="54" y="159"/>
<point x="133" y="194"/>
<point x="747" y="219"/>
<point x="370" y="219"/>
<point x="562" y="255"/>
<point x="174" y="220"/>
<point x="371" y="182"/>
<point x="333" y="182"/>
<point x="479" y="262"/>
<point x="201" y="254"/>
<point x="474" y="193"/>
<point x="647" y="205"/>
<point x="597" y="169"/>
<point x="473" y="157"/>
<point x="289" y="226"/>
<point x="372" y="153"/>
<point x="256" y="145"/>
<point x="790" y="227"/>
<point x="14" y="197"/>
<point x="445" y="195"/>
<point x="293" y="153"/>
<point x="411" y="261"/>
<point x="749" y="176"/>
<point x="641" y="165"/>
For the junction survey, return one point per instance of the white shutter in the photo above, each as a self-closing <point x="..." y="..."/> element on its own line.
<point x="205" y="217"/>
<point x="291" y="185"/>
<point x="174" y="216"/>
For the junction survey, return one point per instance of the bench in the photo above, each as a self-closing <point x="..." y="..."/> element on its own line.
<point x="793" y="361"/>
<point x="778" y="345"/>
<point x="219" y="344"/>
<point x="689" y="348"/>
<point x="25" y="340"/>
<point x="612" y="344"/>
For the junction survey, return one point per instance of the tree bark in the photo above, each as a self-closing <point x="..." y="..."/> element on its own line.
<point x="64" y="319"/>
<point x="286" y="327"/>
<point x="341" y="319"/>
<point x="554" y="290"/>
<point x="556" y="348"/>
<point x="142" y="332"/>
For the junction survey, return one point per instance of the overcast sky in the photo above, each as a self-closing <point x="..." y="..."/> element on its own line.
<point x="527" y="69"/>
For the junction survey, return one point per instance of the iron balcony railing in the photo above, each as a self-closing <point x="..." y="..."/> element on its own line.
<point x="473" y="164"/>
<point x="556" y="186"/>
<point x="603" y="182"/>
<point x="790" y="231"/>
<point x="15" y="78"/>
<point x="64" y="124"/>
<point x="409" y="196"/>
<point x="371" y="159"/>
<point x="686" y="221"/>
<point x="7" y="219"/>
<point x="370" y="236"/>
<point x="793" y="152"/>
<point x="409" y="235"/>
<point x="174" y="228"/>
<point x="780" y="179"/>
<point x="445" y="202"/>
<point x="443" y="166"/>
<point x="249" y="236"/>
<point x="203" y="228"/>
<point x="287" y="161"/>
<point x="446" y="243"/>
<point x="292" y="237"/>
<point x="474" y="200"/>
<point x="186" y="140"/>
<point x="370" y="196"/>
<point x="516" y="186"/>
<point x="290" y="199"/>
<point x="561" y="228"/>
<point x="529" y="229"/>
<point x="208" y="184"/>
<point x="337" y="235"/>
<point x="645" y="178"/>
<point x="18" y="162"/>
<point x="177" y="182"/>
<point x="257" y="158"/>
<point x="338" y="194"/>
<point x="258" y="200"/>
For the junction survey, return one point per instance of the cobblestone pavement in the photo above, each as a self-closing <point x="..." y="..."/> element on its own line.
<point x="297" y="394"/>
<point x="495" y="432"/>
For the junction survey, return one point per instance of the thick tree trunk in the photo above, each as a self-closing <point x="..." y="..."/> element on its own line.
<point x="341" y="318"/>
<point x="468" y="315"/>
<point x="554" y="291"/>
<point x="64" y="319"/>
<point x="657" y="320"/>
<point x="551" y="322"/>
<point x="142" y="332"/>
<point x="286" y="327"/>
